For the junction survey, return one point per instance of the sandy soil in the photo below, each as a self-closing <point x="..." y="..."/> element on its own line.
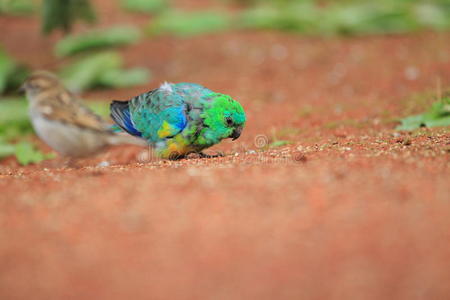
<point x="351" y="209"/>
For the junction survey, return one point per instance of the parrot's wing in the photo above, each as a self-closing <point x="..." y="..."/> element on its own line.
<point x="155" y="115"/>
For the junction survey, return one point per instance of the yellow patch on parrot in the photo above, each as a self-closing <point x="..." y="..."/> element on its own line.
<point x="177" y="146"/>
<point x="165" y="130"/>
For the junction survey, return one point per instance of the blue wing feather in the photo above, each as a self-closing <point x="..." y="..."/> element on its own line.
<point x="120" y="113"/>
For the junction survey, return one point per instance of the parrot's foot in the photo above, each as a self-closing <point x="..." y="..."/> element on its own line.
<point x="204" y="155"/>
<point x="217" y="154"/>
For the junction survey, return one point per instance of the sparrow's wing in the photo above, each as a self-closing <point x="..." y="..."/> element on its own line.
<point x="67" y="109"/>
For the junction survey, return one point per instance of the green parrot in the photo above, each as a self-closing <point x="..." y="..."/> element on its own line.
<point x="178" y="119"/>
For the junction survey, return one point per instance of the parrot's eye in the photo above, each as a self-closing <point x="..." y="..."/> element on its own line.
<point x="229" y="121"/>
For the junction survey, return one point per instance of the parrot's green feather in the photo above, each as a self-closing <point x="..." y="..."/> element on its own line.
<point x="213" y="115"/>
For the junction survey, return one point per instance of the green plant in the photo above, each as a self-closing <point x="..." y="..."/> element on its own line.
<point x="347" y="17"/>
<point x="299" y="18"/>
<point x="279" y="143"/>
<point x="14" y="122"/>
<point x="27" y="153"/>
<point x="145" y="6"/>
<point x="61" y="14"/>
<point x="101" y="69"/>
<point x="14" y="126"/>
<point x="438" y="115"/>
<point x="118" y="78"/>
<point x="185" y="24"/>
<point x="16" y="7"/>
<point x="282" y="136"/>
<point x="24" y="151"/>
<point x="12" y="74"/>
<point x="96" y="39"/>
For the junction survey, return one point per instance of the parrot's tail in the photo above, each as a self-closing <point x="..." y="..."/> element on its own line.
<point x="120" y="113"/>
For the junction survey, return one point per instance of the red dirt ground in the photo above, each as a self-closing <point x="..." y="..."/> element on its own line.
<point x="350" y="210"/>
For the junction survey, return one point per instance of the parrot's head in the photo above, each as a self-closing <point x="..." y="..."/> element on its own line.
<point x="222" y="118"/>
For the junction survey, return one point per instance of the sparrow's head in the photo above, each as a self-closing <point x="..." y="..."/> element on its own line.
<point x="40" y="81"/>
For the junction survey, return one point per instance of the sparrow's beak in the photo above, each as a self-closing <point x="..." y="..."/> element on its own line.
<point x="22" y="89"/>
<point x="236" y="133"/>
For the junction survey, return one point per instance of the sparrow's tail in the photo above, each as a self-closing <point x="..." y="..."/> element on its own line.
<point x="121" y="138"/>
<point x="120" y="113"/>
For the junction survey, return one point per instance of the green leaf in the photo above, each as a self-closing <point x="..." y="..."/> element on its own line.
<point x="6" y="149"/>
<point x="411" y="123"/>
<point x="145" y="6"/>
<point x="16" y="7"/>
<point x="97" y="39"/>
<point x="279" y="143"/>
<point x="125" y="78"/>
<point x="61" y="14"/>
<point x="101" y="69"/>
<point x="27" y="153"/>
<point x="189" y="23"/>
<point x="298" y="17"/>
<point x="14" y="121"/>
<point x="7" y="66"/>
<point x="350" y="17"/>
<point x="440" y="122"/>
<point x="12" y="74"/>
<point x="438" y="115"/>
<point x="433" y="15"/>
<point x="86" y="72"/>
<point x="13" y="109"/>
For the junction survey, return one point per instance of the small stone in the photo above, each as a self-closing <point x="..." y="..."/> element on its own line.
<point x="299" y="157"/>
<point x="403" y="141"/>
<point x="103" y="164"/>
<point x="411" y="73"/>
<point x="194" y="172"/>
<point x="143" y="156"/>
<point x="279" y="52"/>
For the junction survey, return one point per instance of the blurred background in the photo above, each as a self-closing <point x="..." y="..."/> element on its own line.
<point x="261" y="52"/>
<point x="338" y="187"/>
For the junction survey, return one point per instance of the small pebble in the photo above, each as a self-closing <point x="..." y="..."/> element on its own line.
<point x="411" y="73"/>
<point x="143" y="156"/>
<point x="103" y="164"/>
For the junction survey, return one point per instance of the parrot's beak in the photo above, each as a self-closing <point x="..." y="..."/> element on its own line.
<point x="236" y="133"/>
